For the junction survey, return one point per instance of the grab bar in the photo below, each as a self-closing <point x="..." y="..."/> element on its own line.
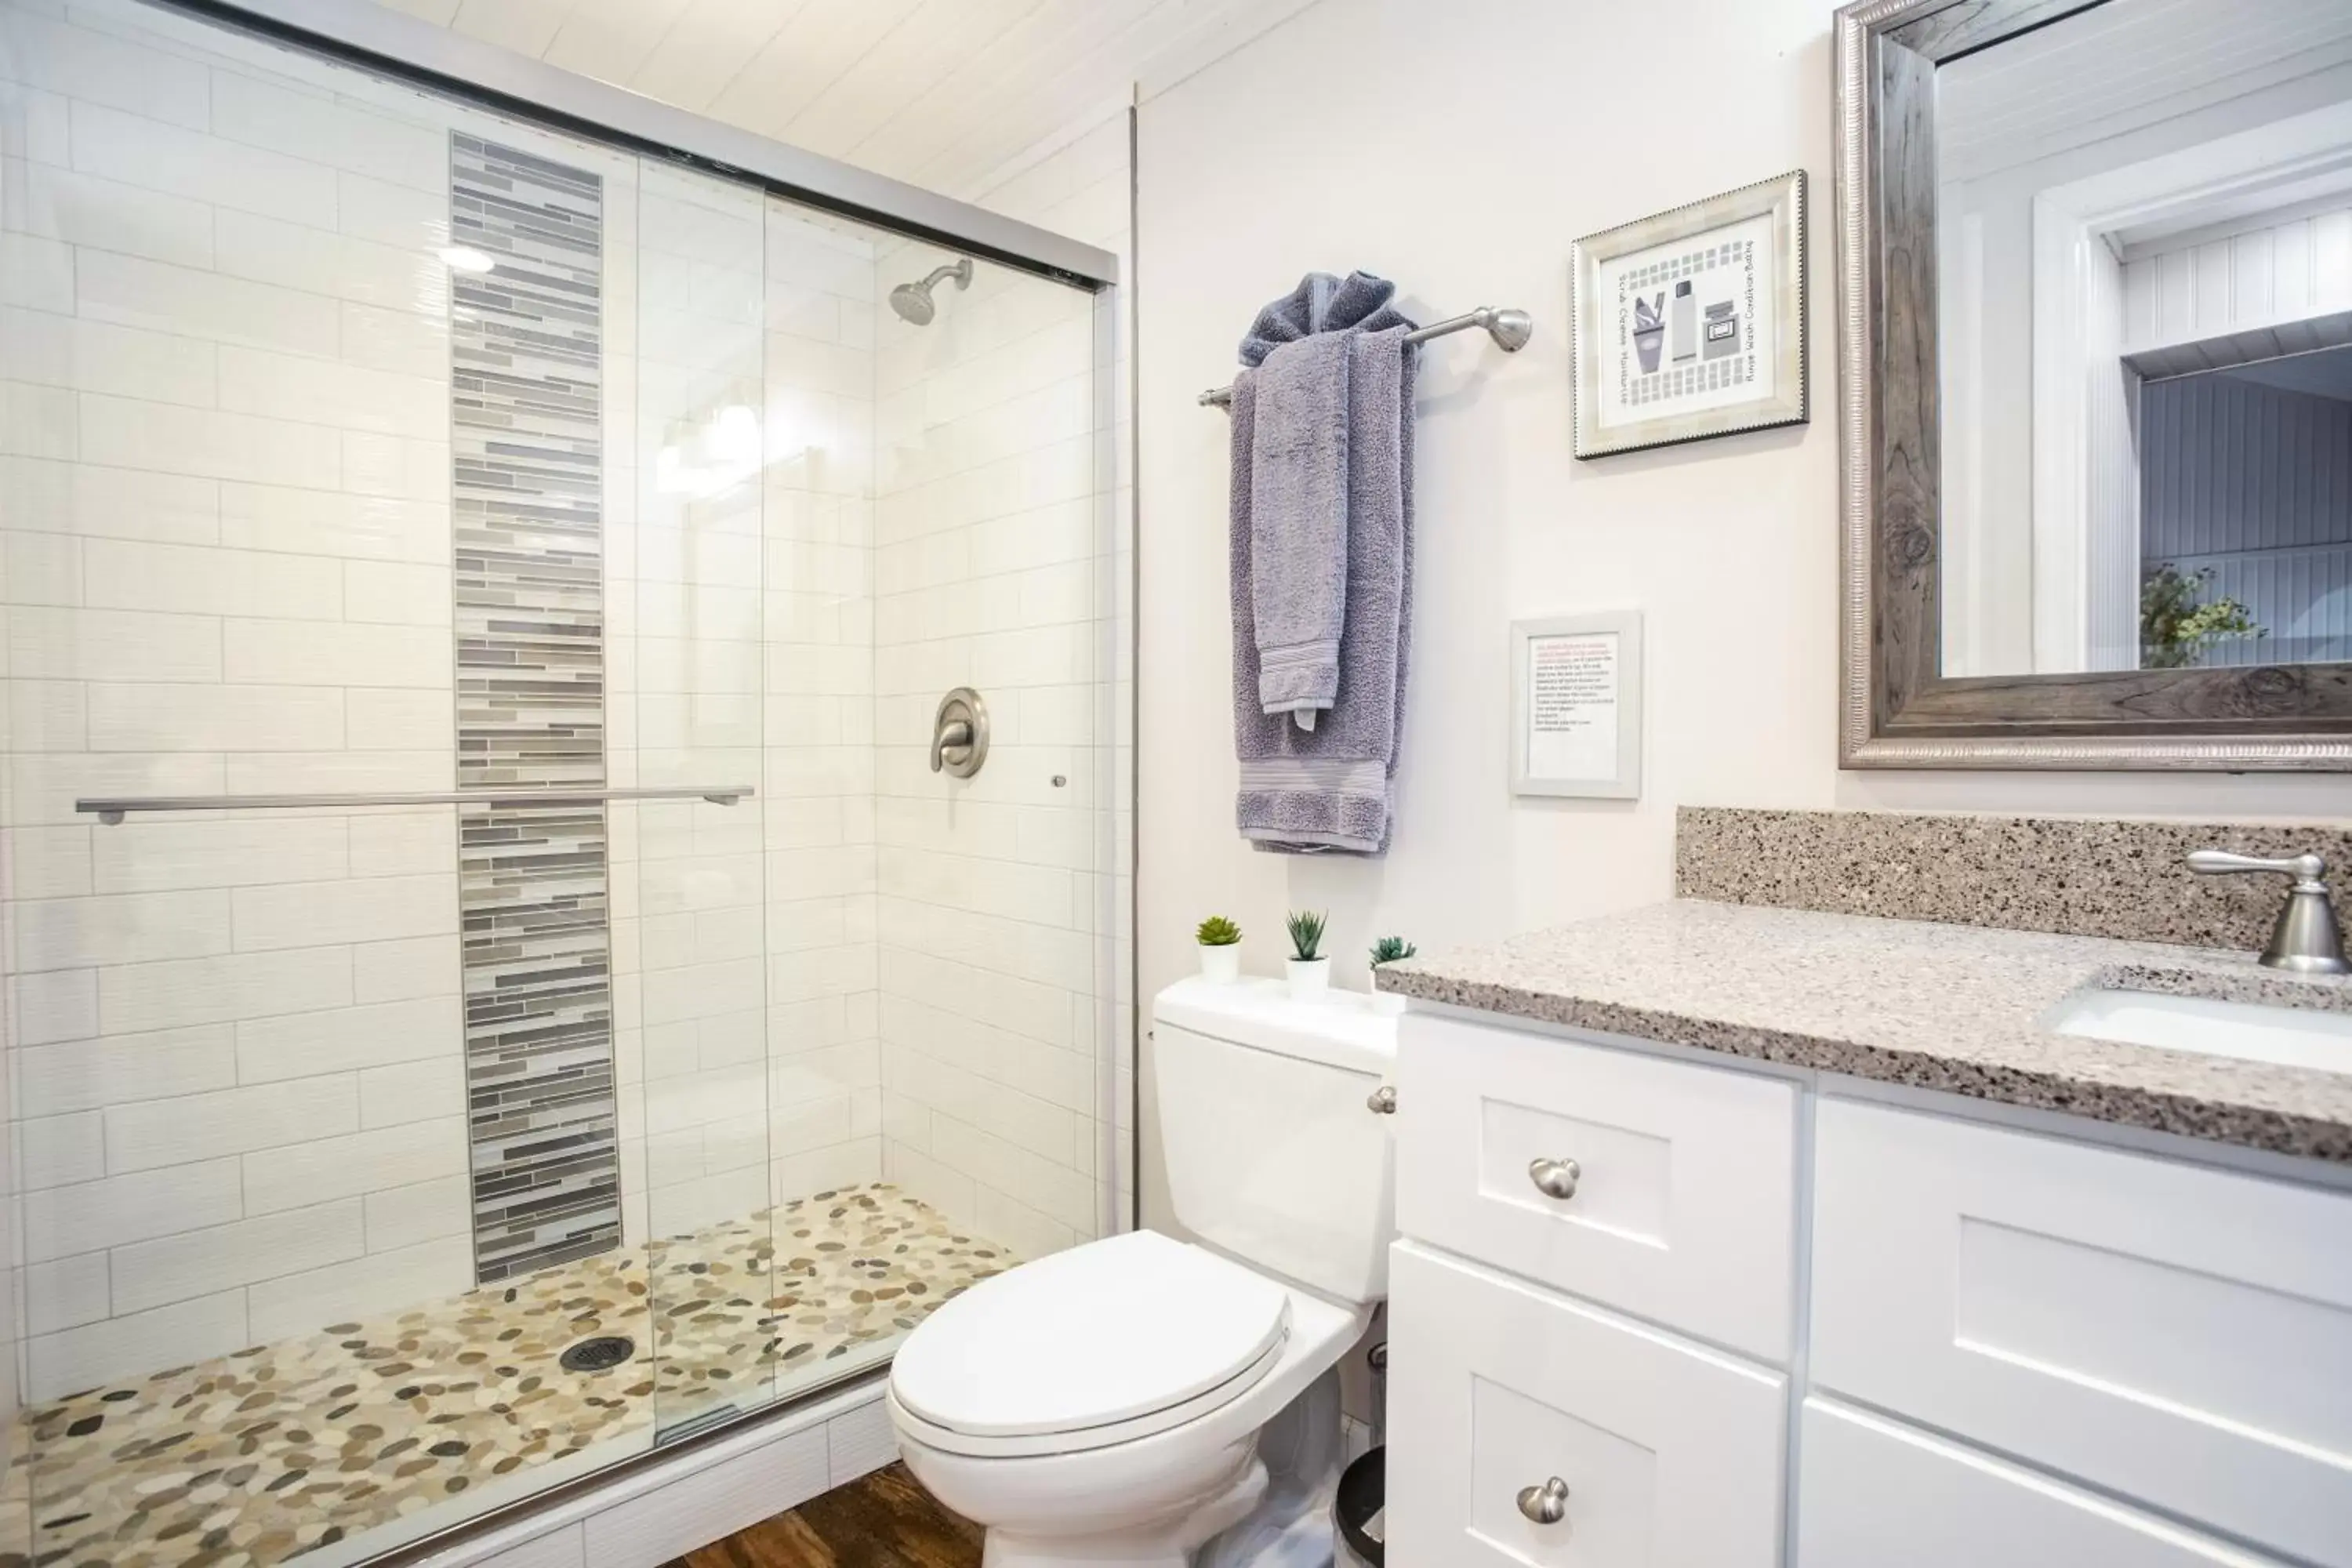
<point x="114" y="810"/>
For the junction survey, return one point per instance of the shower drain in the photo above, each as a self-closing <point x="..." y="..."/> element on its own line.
<point x="597" y="1354"/>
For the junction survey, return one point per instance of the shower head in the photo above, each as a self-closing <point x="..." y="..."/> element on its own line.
<point x="913" y="300"/>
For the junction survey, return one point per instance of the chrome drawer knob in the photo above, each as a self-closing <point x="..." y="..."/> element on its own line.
<point x="1546" y="1504"/>
<point x="1383" y="1100"/>
<point x="1555" y="1178"/>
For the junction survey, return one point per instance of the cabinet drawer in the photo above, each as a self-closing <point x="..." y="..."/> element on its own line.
<point x="1670" y="1453"/>
<point x="2172" y="1333"/>
<point x="1871" y="1492"/>
<point x="1684" y="1183"/>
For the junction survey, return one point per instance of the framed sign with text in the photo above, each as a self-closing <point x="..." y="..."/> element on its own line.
<point x="1575" y="705"/>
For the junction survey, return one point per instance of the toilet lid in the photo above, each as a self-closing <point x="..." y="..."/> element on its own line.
<point x="1099" y="1334"/>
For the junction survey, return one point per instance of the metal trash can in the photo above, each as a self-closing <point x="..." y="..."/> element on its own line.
<point x="1358" y="1511"/>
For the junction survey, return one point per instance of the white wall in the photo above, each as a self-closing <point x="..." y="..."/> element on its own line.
<point x="1461" y="152"/>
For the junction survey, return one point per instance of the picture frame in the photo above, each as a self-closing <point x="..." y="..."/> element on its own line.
<point x="1692" y="323"/>
<point x="1575" y="705"/>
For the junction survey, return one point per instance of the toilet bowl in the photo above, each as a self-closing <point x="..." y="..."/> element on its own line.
<point x="1107" y="1405"/>
<point x="1083" y="1413"/>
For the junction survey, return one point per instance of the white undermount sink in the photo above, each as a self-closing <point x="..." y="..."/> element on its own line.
<point x="2286" y="1036"/>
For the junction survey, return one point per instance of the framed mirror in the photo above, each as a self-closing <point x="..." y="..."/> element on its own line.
<point x="2095" y="357"/>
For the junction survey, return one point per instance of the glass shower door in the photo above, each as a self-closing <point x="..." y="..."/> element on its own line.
<point x="691" y="931"/>
<point x="385" y="1162"/>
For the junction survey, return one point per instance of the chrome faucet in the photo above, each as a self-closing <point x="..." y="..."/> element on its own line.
<point x="2306" y="939"/>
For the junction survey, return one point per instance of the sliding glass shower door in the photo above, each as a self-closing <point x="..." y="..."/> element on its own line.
<point x="494" y="982"/>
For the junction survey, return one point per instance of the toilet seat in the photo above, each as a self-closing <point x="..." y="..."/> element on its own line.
<point x="1105" y="1342"/>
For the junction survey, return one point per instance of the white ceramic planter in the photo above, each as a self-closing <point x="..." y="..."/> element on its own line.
<point x="1310" y="978"/>
<point x="1387" y="1004"/>
<point x="1222" y="964"/>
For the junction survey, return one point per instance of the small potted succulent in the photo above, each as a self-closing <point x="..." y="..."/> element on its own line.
<point x="1221" y="948"/>
<point x="1388" y="949"/>
<point x="1310" y="970"/>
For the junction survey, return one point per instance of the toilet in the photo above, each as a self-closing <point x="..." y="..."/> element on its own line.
<point x="1144" y="1400"/>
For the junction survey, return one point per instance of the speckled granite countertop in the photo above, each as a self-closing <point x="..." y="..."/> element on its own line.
<point x="1947" y="1007"/>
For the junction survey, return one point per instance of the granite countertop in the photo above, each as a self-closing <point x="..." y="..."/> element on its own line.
<point x="1947" y="1007"/>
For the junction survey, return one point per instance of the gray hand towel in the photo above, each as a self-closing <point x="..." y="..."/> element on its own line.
<point x="1307" y="791"/>
<point x="1300" y="478"/>
<point x="1298" y="523"/>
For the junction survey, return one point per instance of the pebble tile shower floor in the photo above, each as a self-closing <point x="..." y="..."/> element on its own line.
<point x="272" y="1453"/>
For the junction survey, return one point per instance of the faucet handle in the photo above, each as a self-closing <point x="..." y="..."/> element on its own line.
<point x="2308" y="939"/>
<point x="2306" y="868"/>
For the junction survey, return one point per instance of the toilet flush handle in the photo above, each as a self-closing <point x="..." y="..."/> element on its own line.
<point x="1383" y="1100"/>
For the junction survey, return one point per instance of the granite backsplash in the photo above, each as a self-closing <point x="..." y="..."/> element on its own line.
<point x="2074" y="875"/>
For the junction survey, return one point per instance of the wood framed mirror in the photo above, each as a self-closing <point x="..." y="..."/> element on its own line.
<point x="2096" y="384"/>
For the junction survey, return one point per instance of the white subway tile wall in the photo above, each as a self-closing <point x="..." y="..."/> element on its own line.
<point x="999" y="563"/>
<point x="227" y="538"/>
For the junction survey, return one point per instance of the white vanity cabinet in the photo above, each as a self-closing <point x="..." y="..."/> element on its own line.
<point x="1708" y="1317"/>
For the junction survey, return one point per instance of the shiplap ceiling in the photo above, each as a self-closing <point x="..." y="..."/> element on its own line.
<point x="937" y="92"/>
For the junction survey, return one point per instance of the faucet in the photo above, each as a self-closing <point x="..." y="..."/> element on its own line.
<point x="2306" y="939"/>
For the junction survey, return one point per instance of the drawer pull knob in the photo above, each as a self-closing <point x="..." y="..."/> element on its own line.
<point x="1555" y="1178"/>
<point x="1383" y="1100"/>
<point x="1546" y="1504"/>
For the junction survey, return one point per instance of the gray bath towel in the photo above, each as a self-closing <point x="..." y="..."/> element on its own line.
<point x="1328" y="788"/>
<point x="1298" y="478"/>
<point x="1298" y="523"/>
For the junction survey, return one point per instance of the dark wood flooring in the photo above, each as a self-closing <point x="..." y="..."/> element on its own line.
<point x="886" y="1521"/>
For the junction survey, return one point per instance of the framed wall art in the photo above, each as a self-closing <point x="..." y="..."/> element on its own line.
<point x="1692" y="323"/>
<point x="1575" y="705"/>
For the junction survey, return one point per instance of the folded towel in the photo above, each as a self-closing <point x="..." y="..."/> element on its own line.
<point x="1328" y="788"/>
<point x="1298" y="545"/>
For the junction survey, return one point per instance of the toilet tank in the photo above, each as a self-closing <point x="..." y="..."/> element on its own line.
<point x="1273" y="1155"/>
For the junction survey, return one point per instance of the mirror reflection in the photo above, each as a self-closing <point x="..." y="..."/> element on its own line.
<point x="2144" y="236"/>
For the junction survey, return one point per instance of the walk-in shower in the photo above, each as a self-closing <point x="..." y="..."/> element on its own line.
<point x="493" y="983"/>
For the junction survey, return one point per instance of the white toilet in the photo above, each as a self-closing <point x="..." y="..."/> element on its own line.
<point x="1126" y="1401"/>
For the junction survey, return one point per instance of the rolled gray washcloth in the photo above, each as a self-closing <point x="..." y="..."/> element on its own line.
<point x="1298" y="477"/>
<point x="1304" y="792"/>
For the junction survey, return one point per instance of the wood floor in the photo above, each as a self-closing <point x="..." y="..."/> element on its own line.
<point x="886" y="1521"/>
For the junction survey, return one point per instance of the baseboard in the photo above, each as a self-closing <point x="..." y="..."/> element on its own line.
<point x="658" y="1510"/>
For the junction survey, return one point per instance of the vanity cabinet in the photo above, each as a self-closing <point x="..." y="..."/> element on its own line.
<point x="1767" y="1322"/>
<point x="1669" y="1452"/>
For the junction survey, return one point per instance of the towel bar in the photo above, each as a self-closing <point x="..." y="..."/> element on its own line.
<point x="1509" y="328"/>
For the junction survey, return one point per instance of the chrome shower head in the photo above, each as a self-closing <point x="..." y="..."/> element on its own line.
<point x="913" y="300"/>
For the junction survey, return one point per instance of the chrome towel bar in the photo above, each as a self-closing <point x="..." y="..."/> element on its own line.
<point x="1509" y="328"/>
<point x="116" y="809"/>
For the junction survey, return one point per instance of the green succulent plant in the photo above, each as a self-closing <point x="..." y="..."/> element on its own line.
<point x="1217" y="932"/>
<point x="1306" y="933"/>
<point x="1389" y="949"/>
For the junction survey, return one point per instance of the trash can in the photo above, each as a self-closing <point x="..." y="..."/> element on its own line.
<point x="1357" y="1510"/>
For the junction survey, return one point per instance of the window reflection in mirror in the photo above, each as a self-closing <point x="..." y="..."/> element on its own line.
<point x="2144" y="236"/>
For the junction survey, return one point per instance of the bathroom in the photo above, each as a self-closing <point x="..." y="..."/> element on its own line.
<point x="865" y="763"/>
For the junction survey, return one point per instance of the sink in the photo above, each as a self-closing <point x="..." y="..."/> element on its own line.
<point x="2286" y="1036"/>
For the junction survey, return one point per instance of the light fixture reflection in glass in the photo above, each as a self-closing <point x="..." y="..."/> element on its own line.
<point x="465" y="258"/>
<point x="703" y="460"/>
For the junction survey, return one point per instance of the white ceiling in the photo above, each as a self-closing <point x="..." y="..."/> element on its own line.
<point x="936" y="93"/>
